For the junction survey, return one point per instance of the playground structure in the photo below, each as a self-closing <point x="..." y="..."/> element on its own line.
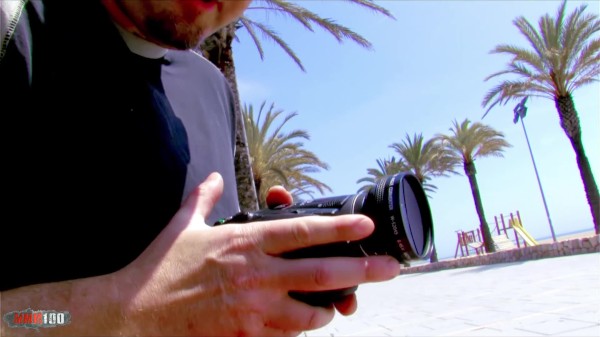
<point x="471" y="242"/>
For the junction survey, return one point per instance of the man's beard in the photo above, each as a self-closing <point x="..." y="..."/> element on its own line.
<point x="167" y="32"/>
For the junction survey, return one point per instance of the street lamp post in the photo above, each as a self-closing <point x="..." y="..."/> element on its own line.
<point x="520" y="110"/>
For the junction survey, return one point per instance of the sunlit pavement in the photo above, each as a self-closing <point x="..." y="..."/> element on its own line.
<point x="548" y="297"/>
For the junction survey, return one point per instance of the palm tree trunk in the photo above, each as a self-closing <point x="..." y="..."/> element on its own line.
<point x="220" y="53"/>
<point x="569" y="121"/>
<point x="257" y="185"/>
<point x="470" y="171"/>
<point x="433" y="257"/>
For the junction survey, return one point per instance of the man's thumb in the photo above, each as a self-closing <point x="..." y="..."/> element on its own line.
<point x="201" y="200"/>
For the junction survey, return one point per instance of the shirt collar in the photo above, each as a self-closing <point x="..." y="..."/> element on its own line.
<point x="140" y="46"/>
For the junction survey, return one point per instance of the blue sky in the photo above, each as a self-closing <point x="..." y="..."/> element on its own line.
<point x="426" y="69"/>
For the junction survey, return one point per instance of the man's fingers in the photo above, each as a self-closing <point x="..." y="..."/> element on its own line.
<point x="295" y="315"/>
<point x="317" y="274"/>
<point x="279" y="236"/>
<point x="277" y="196"/>
<point x="346" y="306"/>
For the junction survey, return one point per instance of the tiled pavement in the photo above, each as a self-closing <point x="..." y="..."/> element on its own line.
<point x="549" y="297"/>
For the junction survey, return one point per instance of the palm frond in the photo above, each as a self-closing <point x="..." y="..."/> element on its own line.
<point x="250" y="28"/>
<point x="386" y="166"/>
<point x="588" y="57"/>
<point x="532" y="36"/>
<point x="520" y="55"/>
<point x="565" y="55"/>
<point x="369" y="4"/>
<point x="468" y="141"/>
<point x="298" y="13"/>
<point x="589" y="76"/>
<point x="273" y="36"/>
<point x="425" y="158"/>
<point x="278" y="157"/>
<point x="307" y="19"/>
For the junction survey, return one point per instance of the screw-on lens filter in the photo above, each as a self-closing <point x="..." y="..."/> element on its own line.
<point x="403" y="224"/>
<point x="416" y="216"/>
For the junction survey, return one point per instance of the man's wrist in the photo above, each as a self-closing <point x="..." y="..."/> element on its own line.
<point x="93" y="306"/>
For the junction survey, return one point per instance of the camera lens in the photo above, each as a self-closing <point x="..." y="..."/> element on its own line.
<point x="398" y="206"/>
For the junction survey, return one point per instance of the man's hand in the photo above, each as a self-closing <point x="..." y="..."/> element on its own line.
<point x="228" y="280"/>
<point x="277" y="196"/>
<point x="198" y="280"/>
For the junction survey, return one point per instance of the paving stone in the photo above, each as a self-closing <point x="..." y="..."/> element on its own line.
<point x="554" y="296"/>
<point x="559" y="326"/>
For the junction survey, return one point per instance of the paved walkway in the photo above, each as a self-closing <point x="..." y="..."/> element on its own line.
<point x="548" y="297"/>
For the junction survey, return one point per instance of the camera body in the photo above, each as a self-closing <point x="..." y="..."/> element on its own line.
<point x="398" y="206"/>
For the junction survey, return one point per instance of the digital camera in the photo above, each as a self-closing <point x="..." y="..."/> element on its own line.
<point x="398" y="206"/>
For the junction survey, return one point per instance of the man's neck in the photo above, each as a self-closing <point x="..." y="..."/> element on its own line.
<point x="131" y="34"/>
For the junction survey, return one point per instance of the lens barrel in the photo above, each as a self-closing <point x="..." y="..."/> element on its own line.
<point x="399" y="209"/>
<point x="398" y="206"/>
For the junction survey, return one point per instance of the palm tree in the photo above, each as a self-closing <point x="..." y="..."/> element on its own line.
<point x="564" y="56"/>
<point x="278" y="157"/>
<point x="467" y="143"/>
<point x="425" y="159"/>
<point x="219" y="50"/>
<point x="386" y="167"/>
